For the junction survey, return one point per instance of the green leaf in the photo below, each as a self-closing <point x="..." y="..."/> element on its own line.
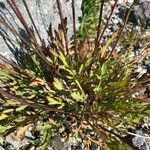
<point x="104" y="69"/>
<point x="8" y="111"/>
<point x="11" y="102"/>
<point x="53" y="101"/>
<point x="97" y="89"/>
<point x="77" y="96"/>
<point x="81" y="68"/>
<point x="3" y="116"/>
<point x="58" y="84"/>
<point x="66" y="69"/>
<point x="4" y="128"/>
<point x="21" y="108"/>
<point x="30" y="71"/>
<point x="63" y="59"/>
<point x="4" y="74"/>
<point x="136" y="120"/>
<point x="70" y="77"/>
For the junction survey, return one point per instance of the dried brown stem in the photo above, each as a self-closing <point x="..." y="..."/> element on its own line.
<point x="121" y="30"/>
<point x="36" y="50"/>
<point x="14" y="7"/>
<point x="74" y="27"/>
<point x="28" y="11"/>
<point x="16" y="10"/>
<point x="99" y="25"/>
<point x="62" y="23"/>
<point x="109" y="18"/>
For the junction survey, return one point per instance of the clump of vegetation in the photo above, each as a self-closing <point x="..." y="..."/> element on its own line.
<point x="89" y="19"/>
<point x="76" y="83"/>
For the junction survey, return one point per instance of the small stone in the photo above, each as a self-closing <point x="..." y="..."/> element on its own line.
<point x="32" y="148"/>
<point x="92" y="133"/>
<point x="141" y="70"/>
<point x="137" y="140"/>
<point x="57" y="143"/>
<point x="115" y="21"/>
<point x="62" y="129"/>
<point x="16" y="143"/>
<point x="112" y="2"/>
<point x="109" y="48"/>
<point x="29" y="134"/>
<point x="133" y="96"/>
<point x="1" y="140"/>
<point x="50" y="148"/>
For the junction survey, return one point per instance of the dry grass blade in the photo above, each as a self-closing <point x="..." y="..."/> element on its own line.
<point x="62" y="18"/>
<point x="108" y="20"/>
<point x="16" y="10"/>
<point x="121" y="30"/>
<point x="74" y="27"/>
<point x="13" y="64"/>
<point x="99" y="25"/>
<point x="145" y="52"/>
<point x="36" y="49"/>
<point x="31" y="18"/>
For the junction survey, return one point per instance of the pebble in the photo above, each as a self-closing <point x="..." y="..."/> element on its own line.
<point x="57" y="143"/>
<point x="137" y="140"/>
<point x="115" y="21"/>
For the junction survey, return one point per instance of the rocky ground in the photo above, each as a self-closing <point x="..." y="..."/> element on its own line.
<point x="44" y="12"/>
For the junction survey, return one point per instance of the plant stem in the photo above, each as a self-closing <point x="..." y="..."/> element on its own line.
<point x="28" y="11"/>
<point x="30" y="104"/>
<point x="99" y="26"/>
<point x="62" y="23"/>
